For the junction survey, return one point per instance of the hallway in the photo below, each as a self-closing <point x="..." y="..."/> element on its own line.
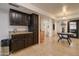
<point x="51" y="47"/>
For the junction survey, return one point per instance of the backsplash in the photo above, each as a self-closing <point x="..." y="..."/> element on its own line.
<point x="18" y="28"/>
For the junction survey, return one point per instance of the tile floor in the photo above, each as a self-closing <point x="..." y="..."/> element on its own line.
<point x="51" y="47"/>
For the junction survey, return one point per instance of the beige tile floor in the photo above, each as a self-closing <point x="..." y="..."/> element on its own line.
<point x="51" y="47"/>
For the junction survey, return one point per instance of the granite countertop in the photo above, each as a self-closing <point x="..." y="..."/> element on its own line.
<point x="20" y="32"/>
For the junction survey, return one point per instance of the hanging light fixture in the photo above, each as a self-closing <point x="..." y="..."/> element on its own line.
<point x="64" y="8"/>
<point x="64" y="11"/>
<point x="64" y="14"/>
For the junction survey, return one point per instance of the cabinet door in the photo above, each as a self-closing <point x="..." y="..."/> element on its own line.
<point x="35" y="17"/>
<point x="25" y="19"/>
<point x="29" y="40"/>
<point x="26" y="42"/>
<point x="35" y="36"/>
<point x="19" y="18"/>
<point x="12" y="17"/>
<point x="28" y="16"/>
<point x="34" y="27"/>
<point x="17" y="44"/>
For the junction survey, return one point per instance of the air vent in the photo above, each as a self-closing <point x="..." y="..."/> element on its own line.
<point x="14" y="5"/>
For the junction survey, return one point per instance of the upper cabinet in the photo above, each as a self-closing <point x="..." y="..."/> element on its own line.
<point x="19" y="18"/>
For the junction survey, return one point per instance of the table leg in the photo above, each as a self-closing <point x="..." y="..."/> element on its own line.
<point x="59" y="39"/>
<point x="68" y="41"/>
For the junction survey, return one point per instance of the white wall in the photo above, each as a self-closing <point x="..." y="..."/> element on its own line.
<point x="47" y="26"/>
<point x="5" y="27"/>
<point x="58" y="27"/>
<point x="4" y="24"/>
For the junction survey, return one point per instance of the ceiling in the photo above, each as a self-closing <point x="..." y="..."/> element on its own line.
<point x="56" y="8"/>
<point x="52" y="9"/>
<point x="7" y="6"/>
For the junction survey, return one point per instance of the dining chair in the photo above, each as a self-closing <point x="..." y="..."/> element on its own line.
<point x="64" y="36"/>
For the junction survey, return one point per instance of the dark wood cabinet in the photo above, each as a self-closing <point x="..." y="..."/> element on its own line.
<point x="21" y="41"/>
<point x="34" y="26"/>
<point x="17" y="44"/>
<point x="25" y="19"/>
<point x="29" y="40"/>
<point x="18" y="18"/>
<point x="12" y="16"/>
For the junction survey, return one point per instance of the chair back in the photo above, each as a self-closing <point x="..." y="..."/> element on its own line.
<point x="59" y="35"/>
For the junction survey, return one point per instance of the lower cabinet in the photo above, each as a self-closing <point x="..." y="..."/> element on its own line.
<point x="23" y="41"/>
<point x="29" y="40"/>
<point x="35" y="36"/>
<point x="17" y="44"/>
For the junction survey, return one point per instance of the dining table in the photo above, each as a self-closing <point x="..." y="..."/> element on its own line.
<point x="67" y="36"/>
